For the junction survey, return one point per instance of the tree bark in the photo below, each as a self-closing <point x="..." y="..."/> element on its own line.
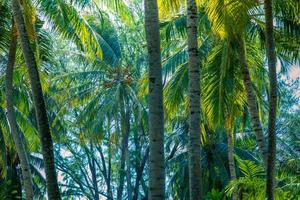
<point x="271" y="55"/>
<point x="39" y="103"/>
<point x="139" y="174"/>
<point x="128" y="177"/>
<point x="93" y="170"/>
<point x="109" y="192"/>
<point x="231" y="164"/>
<point x="252" y="102"/>
<point x="194" y="147"/>
<point x="156" y="113"/>
<point x="20" y="148"/>
<point x="125" y="126"/>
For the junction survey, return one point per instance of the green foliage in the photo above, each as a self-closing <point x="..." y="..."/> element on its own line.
<point x="8" y="190"/>
<point x="252" y="185"/>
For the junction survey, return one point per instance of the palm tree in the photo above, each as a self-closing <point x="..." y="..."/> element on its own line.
<point x="194" y="103"/>
<point x="125" y="126"/>
<point x="40" y="108"/>
<point x="230" y="151"/>
<point x="25" y="166"/>
<point x="271" y="55"/>
<point x="109" y="88"/>
<point x="232" y="19"/>
<point x="251" y="100"/>
<point x="156" y="113"/>
<point x="224" y="98"/>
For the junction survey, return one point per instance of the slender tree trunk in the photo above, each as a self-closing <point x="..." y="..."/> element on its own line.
<point x="21" y="150"/>
<point x="128" y="177"/>
<point x="156" y="113"/>
<point x="109" y="192"/>
<point x="145" y="189"/>
<point x="124" y="151"/>
<point x="39" y="103"/>
<point x="194" y="103"/>
<point x="231" y="164"/>
<point x="140" y="160"/>
<point x="127" y="157"/>
<point x="252" y="102"/>
<point x="139" y="174"/>
<point x="271" y="55"/>
<point x="92" y="166"/>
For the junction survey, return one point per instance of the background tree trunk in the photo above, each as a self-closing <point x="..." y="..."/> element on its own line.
<point x="128" y="177"/>
<point x="231" y="163"/>
<point x="139" y="175"/>
<point x="271" y="55"/>
<point x="252" y="102"/>
<point x="20" y="147"/>
<point x="194" y="103"/>
<point x="39" y="103"/>
<point x="93" y="170"/>
<point x="125" y="126"/>
<point x="109" y="192"/>
<point x="156" y="113"/>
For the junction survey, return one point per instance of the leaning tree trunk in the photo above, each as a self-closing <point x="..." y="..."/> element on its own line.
<point x="252" y="102"/>
<point x="156" y="113"/>
<point x="271" y="55"/>
<point x="231" y="164"/>
<point x="39" y="103"/>
<point x="194" y="103"/>
<point x="21" y="150"/>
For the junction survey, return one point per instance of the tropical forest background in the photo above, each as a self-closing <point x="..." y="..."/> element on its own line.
<point x="82" y="116"/>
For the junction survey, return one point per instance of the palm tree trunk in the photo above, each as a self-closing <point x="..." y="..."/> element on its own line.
<point x="156" y="113"/>
<point x="139" y="175"/>
<point x="125" y="128"/>
<point x="194" y="106"/>
<point x="109" y="171"/>
<point x="271" y="55"/>
<point x="141" y="161"/>
<point x="93" y="170"/>
<point x="40" y="108"/>
<point x="252" y="102"/>
<point x="122" y="172"/>
<point x="128" y="177"/>
<point x="231" y="164"/>
<point x="25" y="166"/>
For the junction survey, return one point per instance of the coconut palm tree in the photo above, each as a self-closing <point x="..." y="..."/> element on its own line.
<point x="233" y="20"/>
<point x="41" y="113"/>
<point x="271" y="55"/>
<point x="25" y="166"/>
<point x="101" y="89"/>
<point x="224" y="99"/>
<point x="194" y="102"/>
<point x="156" y="113"/>
<point x="78" y="31"/>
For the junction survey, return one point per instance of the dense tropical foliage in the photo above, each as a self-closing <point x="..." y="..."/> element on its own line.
<point x="150" y="99"/>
